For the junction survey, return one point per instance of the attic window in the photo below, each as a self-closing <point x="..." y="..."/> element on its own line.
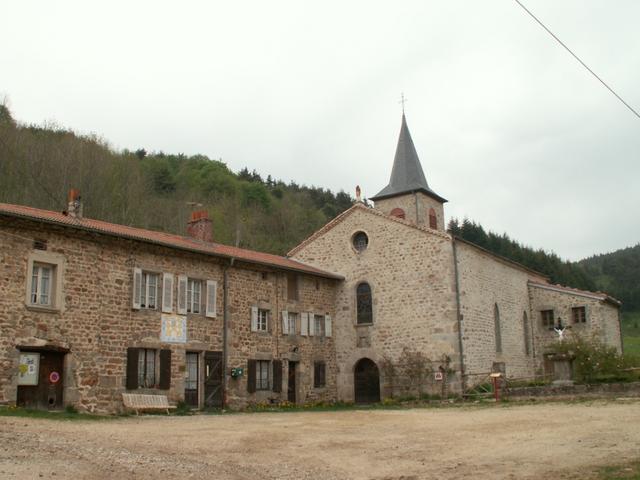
<point x="39" y="244"/>
<point x="397" y="212"/>
<point x="360" y="241"/>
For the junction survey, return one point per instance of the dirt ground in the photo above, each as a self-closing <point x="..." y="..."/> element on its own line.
<point x="550" y="440"/>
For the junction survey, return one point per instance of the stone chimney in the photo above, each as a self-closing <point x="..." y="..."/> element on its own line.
<point x="74" y="206"/>
<point x="200" y="227"/>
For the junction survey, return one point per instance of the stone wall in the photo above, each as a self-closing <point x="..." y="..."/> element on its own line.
<point x="408" y="204"/>
<point x="410" y="271"/>
<point x="96" y="323"/>
<point x="486" y="282"/>
<point x="601" y="316"/>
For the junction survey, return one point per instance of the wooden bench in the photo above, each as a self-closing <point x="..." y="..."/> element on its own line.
<point x="140" y="401"/>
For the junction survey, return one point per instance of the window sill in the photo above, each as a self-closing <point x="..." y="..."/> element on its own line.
<point x="370" y="324"/>
<point x="38" y="308"/>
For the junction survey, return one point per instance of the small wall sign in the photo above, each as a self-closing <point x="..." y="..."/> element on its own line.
<point x="54" y="377"/>
<point x="28" y="369"/>
<point x="438" y="376"/>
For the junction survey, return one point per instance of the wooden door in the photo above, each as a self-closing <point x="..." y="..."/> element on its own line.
<point x="47" y="395"/>
<point x="191" y="389"/>
<point x="367" y="382"/>
<point x="291" y="384"/>
<point x="213" y="379"/>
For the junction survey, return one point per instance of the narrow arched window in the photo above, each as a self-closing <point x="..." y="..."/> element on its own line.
<point x="364" y="310"/>
<point x="433" y="220"/>
<point x="496" y="325"/>
<point x="525" y="328"/>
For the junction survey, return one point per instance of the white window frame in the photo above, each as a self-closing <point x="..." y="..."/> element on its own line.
<point x="263" y="368"/>
<point x="146" y="288"/>
<point x="193" y="299"/>
<point x="318" y="325"/>
<point x="262" y="322"/>
<point x="292" y="320"/>
<point x="146" y="378"/>
<point x="54" y="263"/>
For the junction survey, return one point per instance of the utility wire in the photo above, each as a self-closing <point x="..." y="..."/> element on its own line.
<point x="578" y="58"/>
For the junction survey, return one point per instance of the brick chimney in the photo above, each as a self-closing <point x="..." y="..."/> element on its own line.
<point x="200" y="227"/>
<point x="74" y="205"/>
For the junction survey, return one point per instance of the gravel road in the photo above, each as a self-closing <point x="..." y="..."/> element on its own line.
<point x="550" y="440"/>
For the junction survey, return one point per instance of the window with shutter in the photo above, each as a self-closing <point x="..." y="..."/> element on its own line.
<point x="212" y="291"/>
<point x="327" y="325"/>
<point x="137" y="287"/>
<point x="132" y="369"/>
<point x="194" y="295"/>
<point x="167" y="292"/>
<point x="312" y="324"/>
<point x="277" y="376"/>
<point x="251" y="376"/>
<point x="254" y="319"/>
<point x="318" y="327"/>
<point x="165" y="369"/>
<point x="182" y="294"/>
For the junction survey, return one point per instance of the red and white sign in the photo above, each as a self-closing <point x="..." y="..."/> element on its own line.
<point x="54" y="377"/>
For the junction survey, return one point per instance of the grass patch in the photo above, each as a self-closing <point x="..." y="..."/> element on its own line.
<point x="629" y="471"/>
<point x="67" y="414"/>
<point x="631" y="333"/>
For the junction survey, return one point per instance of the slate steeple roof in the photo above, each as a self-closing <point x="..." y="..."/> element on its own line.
<point x="407" y="175"/>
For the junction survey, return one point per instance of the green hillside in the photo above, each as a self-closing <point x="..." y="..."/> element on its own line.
<point x="618" y="274"/>
<point x="39" y="164"/>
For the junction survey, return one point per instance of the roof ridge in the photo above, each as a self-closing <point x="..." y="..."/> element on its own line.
<point x="170" y="240"/>
<point x="557" y="286"/>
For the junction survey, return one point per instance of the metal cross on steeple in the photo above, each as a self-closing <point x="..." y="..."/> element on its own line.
<point x="402" y="101"/>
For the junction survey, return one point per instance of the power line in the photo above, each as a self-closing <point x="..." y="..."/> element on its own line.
<point x="578" y="59"/>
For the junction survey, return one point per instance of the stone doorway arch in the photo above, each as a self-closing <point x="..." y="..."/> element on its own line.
<point x="366" y="381"/>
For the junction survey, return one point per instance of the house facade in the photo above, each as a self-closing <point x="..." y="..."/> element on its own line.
<point x="90" y="310"/>
<point x="380" y="301"/>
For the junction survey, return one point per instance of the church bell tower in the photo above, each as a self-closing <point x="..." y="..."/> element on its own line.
<point x="408" y="195"/>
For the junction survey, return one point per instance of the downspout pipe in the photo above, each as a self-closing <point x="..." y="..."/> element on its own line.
<point x="225" y="328"/>
<point x="458" y="313"/>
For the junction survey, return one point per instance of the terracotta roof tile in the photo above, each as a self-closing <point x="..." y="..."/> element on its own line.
<point x="162" y="238"/>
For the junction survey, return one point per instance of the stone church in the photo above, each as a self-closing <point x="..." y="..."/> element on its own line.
<point x="379" y="302"/>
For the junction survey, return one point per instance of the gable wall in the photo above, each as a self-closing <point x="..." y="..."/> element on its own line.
<point x="601" y="319"/>
<point x="411" y="276"/>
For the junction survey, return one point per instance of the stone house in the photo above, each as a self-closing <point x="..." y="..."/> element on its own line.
<point x="90" y="310"/>
<point x="380" y="301"/>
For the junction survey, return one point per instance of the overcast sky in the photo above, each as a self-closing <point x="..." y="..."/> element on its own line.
<point x="508" y="126"/>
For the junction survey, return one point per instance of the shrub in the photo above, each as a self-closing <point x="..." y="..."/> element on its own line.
<point x="595" y="362"/>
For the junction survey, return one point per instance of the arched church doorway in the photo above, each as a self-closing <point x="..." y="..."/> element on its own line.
<point x="366" y="381"/>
